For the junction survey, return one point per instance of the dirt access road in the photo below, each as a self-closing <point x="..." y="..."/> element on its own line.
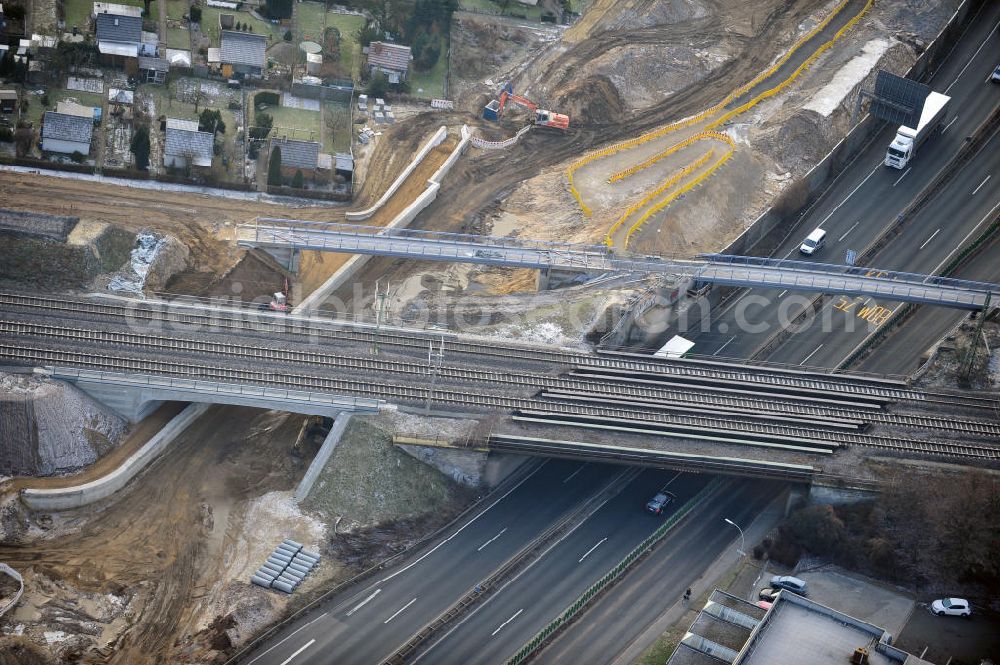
<point x="166" y="546"/>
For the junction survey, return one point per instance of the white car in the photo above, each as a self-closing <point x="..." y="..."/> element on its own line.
<point x="956" y="607"/>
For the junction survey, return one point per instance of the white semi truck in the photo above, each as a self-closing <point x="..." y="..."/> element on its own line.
<point x="904" y="147"/>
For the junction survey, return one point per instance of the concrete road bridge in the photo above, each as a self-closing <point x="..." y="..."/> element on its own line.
<point x="619" y="407"/>
<point x="283" y="235"/>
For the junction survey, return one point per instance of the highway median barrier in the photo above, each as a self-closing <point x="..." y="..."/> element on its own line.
<point x="536" y="642"/>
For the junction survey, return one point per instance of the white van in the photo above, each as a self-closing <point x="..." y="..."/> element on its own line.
<point x="813" y="242"/>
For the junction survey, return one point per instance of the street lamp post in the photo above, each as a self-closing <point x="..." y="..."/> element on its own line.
<point x="743" y="542"/>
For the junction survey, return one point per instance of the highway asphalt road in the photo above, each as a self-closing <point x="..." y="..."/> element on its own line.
<point x="501" y="625"/>
<point x="901" y="351"/>
<point x="929" y="241"/>
<point x="659" y="581"/>
<point x="868" y="196"/>
<point x="366" y="625"/>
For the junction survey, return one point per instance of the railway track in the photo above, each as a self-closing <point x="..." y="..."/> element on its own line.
<point x="647" y="397"/>
<point x="419" y="394"/>
<point x="252" y="321"/>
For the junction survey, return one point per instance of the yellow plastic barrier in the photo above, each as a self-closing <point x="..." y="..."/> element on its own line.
<point x="673" y="195"/>
<point x="727" y="100"/>
<point x="646" y="200"/>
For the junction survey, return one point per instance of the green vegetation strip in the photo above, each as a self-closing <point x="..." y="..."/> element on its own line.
<point x="563" y="619"/>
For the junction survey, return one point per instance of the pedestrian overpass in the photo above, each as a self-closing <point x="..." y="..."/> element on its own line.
<point x="284" y="235"/>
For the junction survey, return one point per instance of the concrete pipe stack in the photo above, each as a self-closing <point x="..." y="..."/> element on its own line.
<point x="286" y="568"/>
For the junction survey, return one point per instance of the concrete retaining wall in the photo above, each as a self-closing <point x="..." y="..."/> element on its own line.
<point x="323" y="456"/>
<point x="81" y="495"/>
<point x="434" y="141"/>
<point x="403" y="219"/>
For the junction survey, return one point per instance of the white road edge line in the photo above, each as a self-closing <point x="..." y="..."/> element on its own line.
<point x="848" y="232"/>
<point x="486" y="510"/>
<point x="959" y="75"/>
<point x="811" y="355"/>
<point x="481" y="547"/>
<point x="496" y="595"/>
<point x="949" y="124"/>
<point x="931" y="238"/>
<point x="300" y="628"/>
<point x="963" y="241"/>
<point x="364" y="602"/>
<point x="900" y="179"/>
<point x="500" y="627"/>
<point x="827" y="218"/>
<point x="399" y="611"/>
<point x="301" y="649"/>
<point x="981" y="184"/>
<point x="587" y="553"/>
<point x="719" y="350"/>
<point x="570" y="476"/>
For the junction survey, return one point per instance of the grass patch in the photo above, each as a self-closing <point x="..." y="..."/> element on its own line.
<point x="660" y="650"/>
<point x="337" y="130"/>
<point x="313" y="19"/>
<point x="430" y="84"/>
<point x="179" y="38"/>
<point x="210" y="25"/>
<point x="36" y="109"/>
<point x="295" y="123"/>
<point x="176" y="9"/>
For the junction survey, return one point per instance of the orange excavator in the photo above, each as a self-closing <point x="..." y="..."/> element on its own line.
<point x="494" y="110"/>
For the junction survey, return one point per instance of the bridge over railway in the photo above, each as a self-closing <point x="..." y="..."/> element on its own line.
<point x="538" y="400"/>
<point x="724" y="270"/>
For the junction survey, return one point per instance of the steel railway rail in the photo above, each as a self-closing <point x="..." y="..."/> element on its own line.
<point x="410" y="393"/>
<point x="560" y="389"/>
<point x="885" y="388"/>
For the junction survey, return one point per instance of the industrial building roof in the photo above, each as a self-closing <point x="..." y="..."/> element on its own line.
<point x="389" y="56"/>
<point x="65" y="127"/>
<point x="297" y="154"/>
<point x="795" y="631"/>
<point x="184" y="140"/>
<point x="243" y="48"/>
<point x="117" y="28"/>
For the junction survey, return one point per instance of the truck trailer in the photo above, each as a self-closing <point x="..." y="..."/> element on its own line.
<point x="904" y="147"/>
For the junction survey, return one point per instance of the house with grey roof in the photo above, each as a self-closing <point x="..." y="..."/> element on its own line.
<point x="296" y="155"/>
<point x="119" y="39"/>
<point x="66" y="133"/>
<point x="393" y="60"/>
<point x="186" y="146"/>
<point x="153" y="70"/>
<point x="242" y="53"/>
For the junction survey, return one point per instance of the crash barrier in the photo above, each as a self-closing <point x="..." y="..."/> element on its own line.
<point x="729" y="115"/>
<point x="10" y="572"/>
<point x="671" y="182"/>
<point x="670" y="198"/>
<point x="539" y="639"/>
<point x="621" y="175"/>
<point x="483" y="144"/>
<point x="286" y="568"/>
<point x="436" y="140"/>
<point x="646" y="200"/>
<point x="709" y="112"/>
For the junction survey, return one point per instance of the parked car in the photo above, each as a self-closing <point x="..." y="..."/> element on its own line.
<point x="793" y="584"/>
<point x="764" y="604"/>
<point x="995" y="76"/>
<point x="659" y="502"/>
<point x="767" y="594"/>
<point x="955" y="607"/>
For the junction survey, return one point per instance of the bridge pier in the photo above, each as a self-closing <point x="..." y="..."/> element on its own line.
<point x="287" y="257"/>
<point x="550" y="279"/>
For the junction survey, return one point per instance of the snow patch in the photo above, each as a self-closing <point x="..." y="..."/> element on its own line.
<point x="830" y="96"/>
<point x="146" y="247"/>
<point x="53" y="636"/>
